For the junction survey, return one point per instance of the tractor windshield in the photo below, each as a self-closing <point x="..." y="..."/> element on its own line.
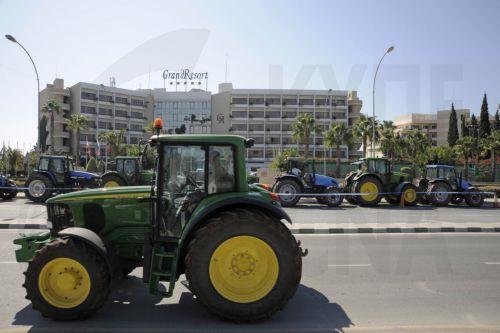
<point x="190" y="173"/>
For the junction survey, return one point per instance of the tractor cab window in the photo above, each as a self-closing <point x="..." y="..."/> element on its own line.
<point x="431" y="173"/>
<point x="71" y="165"/>
<point x="448" y="174"/>
<point x="220" y="169"/>
<point x="43" y="164"/>
<point x="378" y="166"/>
<point x="57" y="165"/>
<point x="129" y="167"/>
<point x="183" y="186"/>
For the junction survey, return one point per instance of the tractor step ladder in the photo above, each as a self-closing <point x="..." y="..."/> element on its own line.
<point x="159" y="273"/>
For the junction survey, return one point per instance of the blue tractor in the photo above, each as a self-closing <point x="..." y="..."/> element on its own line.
<point x="57" y="174"/>
<point x="8" y="188"/>
<point x="295" y="181"/>
<point x="439" y="180"/>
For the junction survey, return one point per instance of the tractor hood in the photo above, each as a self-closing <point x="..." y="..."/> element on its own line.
<point x="122" y="192"/>
<point x="326" y="181"/>
<point x="83" y="174"/>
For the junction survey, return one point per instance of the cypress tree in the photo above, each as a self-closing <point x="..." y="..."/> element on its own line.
<point x="484" y="120"/>
<point x="452" y="127"/>
<point x="497" y="122"/>
<point x="463" y="126"/>
<point x="473" y="125"/>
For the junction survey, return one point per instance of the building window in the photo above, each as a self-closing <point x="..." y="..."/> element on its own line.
<point x="289" y="101"/>
<point x="136" y="115"/>
<point x="204" y="105"/>
<point x="105" y="125"/>
<point x="88" y="109"/>
<point x="136" y="127"/>
<point x="120" y="126"/>
<point x="239" y="100"/>
<point x="105" y="98"/>
<point x="256" y="100"/>
<point x="121" y="100"/>
<point x="91" y="124"/>
<point x="121" y="113"/>
<point x="90" y="96"/>
<point x="138" y="102"/>
<point x="306" y="101"/>
<point x="239" y="114"/>
<point x="105" y="111"/>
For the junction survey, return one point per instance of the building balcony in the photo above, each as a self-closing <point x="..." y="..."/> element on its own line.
<point x="62" y="134"/>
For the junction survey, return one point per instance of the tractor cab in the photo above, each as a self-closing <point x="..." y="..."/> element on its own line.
<point x="446" y="173"/>
<point x="58" y="166"/>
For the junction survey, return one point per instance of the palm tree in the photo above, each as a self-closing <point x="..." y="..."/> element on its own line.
<point x="465" y="147"/>
<point x="76" y="123"/>
<point x="388" y="138"/>
<point x="363" y="129"/>
<point x="492" y="143"/>
<point x="114" y="140"/>
<point x="302" y="129"/>
<point x="338" y="134"/>
<point x="50" y="108"/>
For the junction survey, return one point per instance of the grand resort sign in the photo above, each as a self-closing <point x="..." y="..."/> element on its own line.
<point x="184" y="74"/>
<point x="184" y="77"/>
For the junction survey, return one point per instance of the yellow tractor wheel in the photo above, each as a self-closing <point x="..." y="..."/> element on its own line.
<point x="253" y="262"/>
<point x="67" y="280"/>
<point x="370" y="189"/>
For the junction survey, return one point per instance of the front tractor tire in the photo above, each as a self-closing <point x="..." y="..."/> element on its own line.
<point x="288" y="190"/>
<point x="112" y="181"/>
<point x="372" y="187"/>
<point x="410" y="195"/>
<point x="243" y="265"/>
<point x="39" y="188"/>
<point x="67" y="280"/>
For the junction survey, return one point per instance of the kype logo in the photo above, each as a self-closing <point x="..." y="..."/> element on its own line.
<point x="184" y="74"/>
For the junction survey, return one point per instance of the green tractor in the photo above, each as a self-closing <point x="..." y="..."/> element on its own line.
<point x="375" y="178"/>
<point x="128" y="171"/>
<point x="199" y="218"/>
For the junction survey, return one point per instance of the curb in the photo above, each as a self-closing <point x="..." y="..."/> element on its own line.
<point x="327" y="231"/>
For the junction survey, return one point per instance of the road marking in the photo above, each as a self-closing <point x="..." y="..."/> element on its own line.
<point x="8" y="262"/>
<point x="349" y="265"/>
<point x="491" y="263"/>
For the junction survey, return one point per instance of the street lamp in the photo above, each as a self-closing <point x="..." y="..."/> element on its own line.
<point x="389" y="50"/>
<point x="13" y="40"/>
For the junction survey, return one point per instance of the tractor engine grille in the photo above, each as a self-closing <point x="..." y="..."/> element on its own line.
<point x="60" y="216"/>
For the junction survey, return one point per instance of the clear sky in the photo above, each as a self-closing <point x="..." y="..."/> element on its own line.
<point x="444" y="50"/>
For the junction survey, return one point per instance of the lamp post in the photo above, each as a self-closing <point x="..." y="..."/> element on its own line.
<point x="389" y="50"/>
<point x="13" y="40"/>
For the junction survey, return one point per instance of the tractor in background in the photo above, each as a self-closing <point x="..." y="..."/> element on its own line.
<point x="57" y="174"/>
<point x="8" y="188"/>
<point x="295" y="181"/>
<point x="439" y="180"/>
<point x="375" y="179"/>
<point x="128" y="171"/>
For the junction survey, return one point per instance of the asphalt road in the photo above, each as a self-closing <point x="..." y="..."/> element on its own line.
<point x="351" y="283"/>
<point x="309" y="213"/>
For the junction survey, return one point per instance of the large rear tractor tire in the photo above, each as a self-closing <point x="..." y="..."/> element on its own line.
<point x="288" y="192"/>
<point x="112" y="181"/>
<point x="39" y="188"/>
<point x="372" y="187"/>
<point x="243" y="265"/>
<point x="67" y="280"/>
<point x="440" y="199"/>
<point x="474" y="199"/>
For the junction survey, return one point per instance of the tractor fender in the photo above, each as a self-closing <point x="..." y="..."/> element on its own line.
<point x="47" y="174"/>
<point x="401" y="185"/>
<point x="93" y="240"/>
<point x="115" y="174"/>
<point x="355" y="179"/>
<point x="210" y="211"/>
<point x="291" y="177"/>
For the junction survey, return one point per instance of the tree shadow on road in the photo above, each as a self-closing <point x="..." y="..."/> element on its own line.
<point x="131" y="308"/>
